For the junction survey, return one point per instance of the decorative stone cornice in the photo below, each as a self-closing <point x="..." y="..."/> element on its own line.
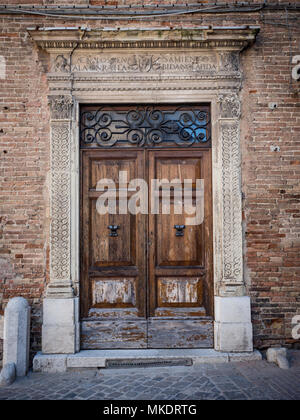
<point x="228" y="38"/>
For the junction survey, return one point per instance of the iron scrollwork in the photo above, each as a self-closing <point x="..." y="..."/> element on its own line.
<point x="145" y="126"/>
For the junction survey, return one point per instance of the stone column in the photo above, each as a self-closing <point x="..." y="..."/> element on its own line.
<point x="233" y="328"/>
<point x="60" y="323"/>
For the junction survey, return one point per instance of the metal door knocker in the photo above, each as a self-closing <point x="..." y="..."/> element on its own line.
<point x="179" y="230"/>
<point x="113" y="230"/>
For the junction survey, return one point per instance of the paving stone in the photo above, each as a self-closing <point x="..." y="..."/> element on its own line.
<point x="235" y="395"/>
<point x="242" y="380"/>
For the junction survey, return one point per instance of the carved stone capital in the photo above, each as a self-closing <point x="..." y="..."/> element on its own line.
<point x="60" y="106"/>
<point x="230" y="106"/>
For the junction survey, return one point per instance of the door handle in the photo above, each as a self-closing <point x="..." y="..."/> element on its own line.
<point x="113" y="230"/>
<point x="179" y="230"/>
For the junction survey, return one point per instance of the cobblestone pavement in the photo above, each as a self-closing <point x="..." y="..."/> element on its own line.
<point x="231" y="381"/>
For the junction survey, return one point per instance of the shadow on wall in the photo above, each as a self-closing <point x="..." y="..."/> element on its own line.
<point x="1" y="338"/>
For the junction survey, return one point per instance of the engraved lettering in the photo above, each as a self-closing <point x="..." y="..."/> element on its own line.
<point x="144" y="63"/>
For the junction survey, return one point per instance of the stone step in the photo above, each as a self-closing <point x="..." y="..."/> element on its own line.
<point x="52" y="363"/>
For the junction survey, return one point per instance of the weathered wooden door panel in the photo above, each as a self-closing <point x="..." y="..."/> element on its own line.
<point x="113" y="259"/>
<point x="106" y="250"/>
<point x="180" y="333"/>
<point x="179" y="262"/>
<point x="114" y="334"/>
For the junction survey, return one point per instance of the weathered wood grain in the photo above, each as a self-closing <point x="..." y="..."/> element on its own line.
<point x="176" y="291"/>
<point x="114" y="291"/>
<point x="168" y="333"/>
<point x="114" y="334"/>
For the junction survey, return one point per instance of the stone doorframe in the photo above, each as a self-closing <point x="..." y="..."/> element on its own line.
<point x="152" y="66"/>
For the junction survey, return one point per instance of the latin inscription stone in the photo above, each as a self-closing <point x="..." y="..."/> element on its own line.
<point x="137" y="63"/>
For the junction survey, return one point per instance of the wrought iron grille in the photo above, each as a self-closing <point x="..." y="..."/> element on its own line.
<point x="145" y="126"/>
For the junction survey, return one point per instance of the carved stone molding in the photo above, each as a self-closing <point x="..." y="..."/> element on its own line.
<point x="230" y="105"/>
<point x="234" y="38"/>
<point x="91" y="78"/>
<point x="60" y="106"/>
<point x="146" y="88"/>
<point x="60" y="147"/>
<point x="232" y="209"/>
<point x="100" y="45"/>
<point x="61" y="64"/>
<point x="230" y="61"/>
<point x="60" y="285"/>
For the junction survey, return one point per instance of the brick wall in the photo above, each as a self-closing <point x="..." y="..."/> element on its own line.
<point x="124" y="2"/>
<point x="24" y="151"/>
<point x="1" y="336"/>
<point x="271" y="175"/>
<point x="270" y="178"/>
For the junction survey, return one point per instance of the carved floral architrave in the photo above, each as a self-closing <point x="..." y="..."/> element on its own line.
<point x="183" y="66"/>
<point x="232" y="282"/>
<point x="60" y="238"/>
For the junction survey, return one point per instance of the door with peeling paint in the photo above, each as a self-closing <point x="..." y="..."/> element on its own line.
<point x="146" y="278"/>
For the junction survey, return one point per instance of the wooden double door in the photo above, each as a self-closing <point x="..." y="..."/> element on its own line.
<point x="146" y="279"/>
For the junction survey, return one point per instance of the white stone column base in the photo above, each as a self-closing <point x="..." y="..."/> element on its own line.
<point x="233" y="327"/>
<point x="60" y="332"/>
